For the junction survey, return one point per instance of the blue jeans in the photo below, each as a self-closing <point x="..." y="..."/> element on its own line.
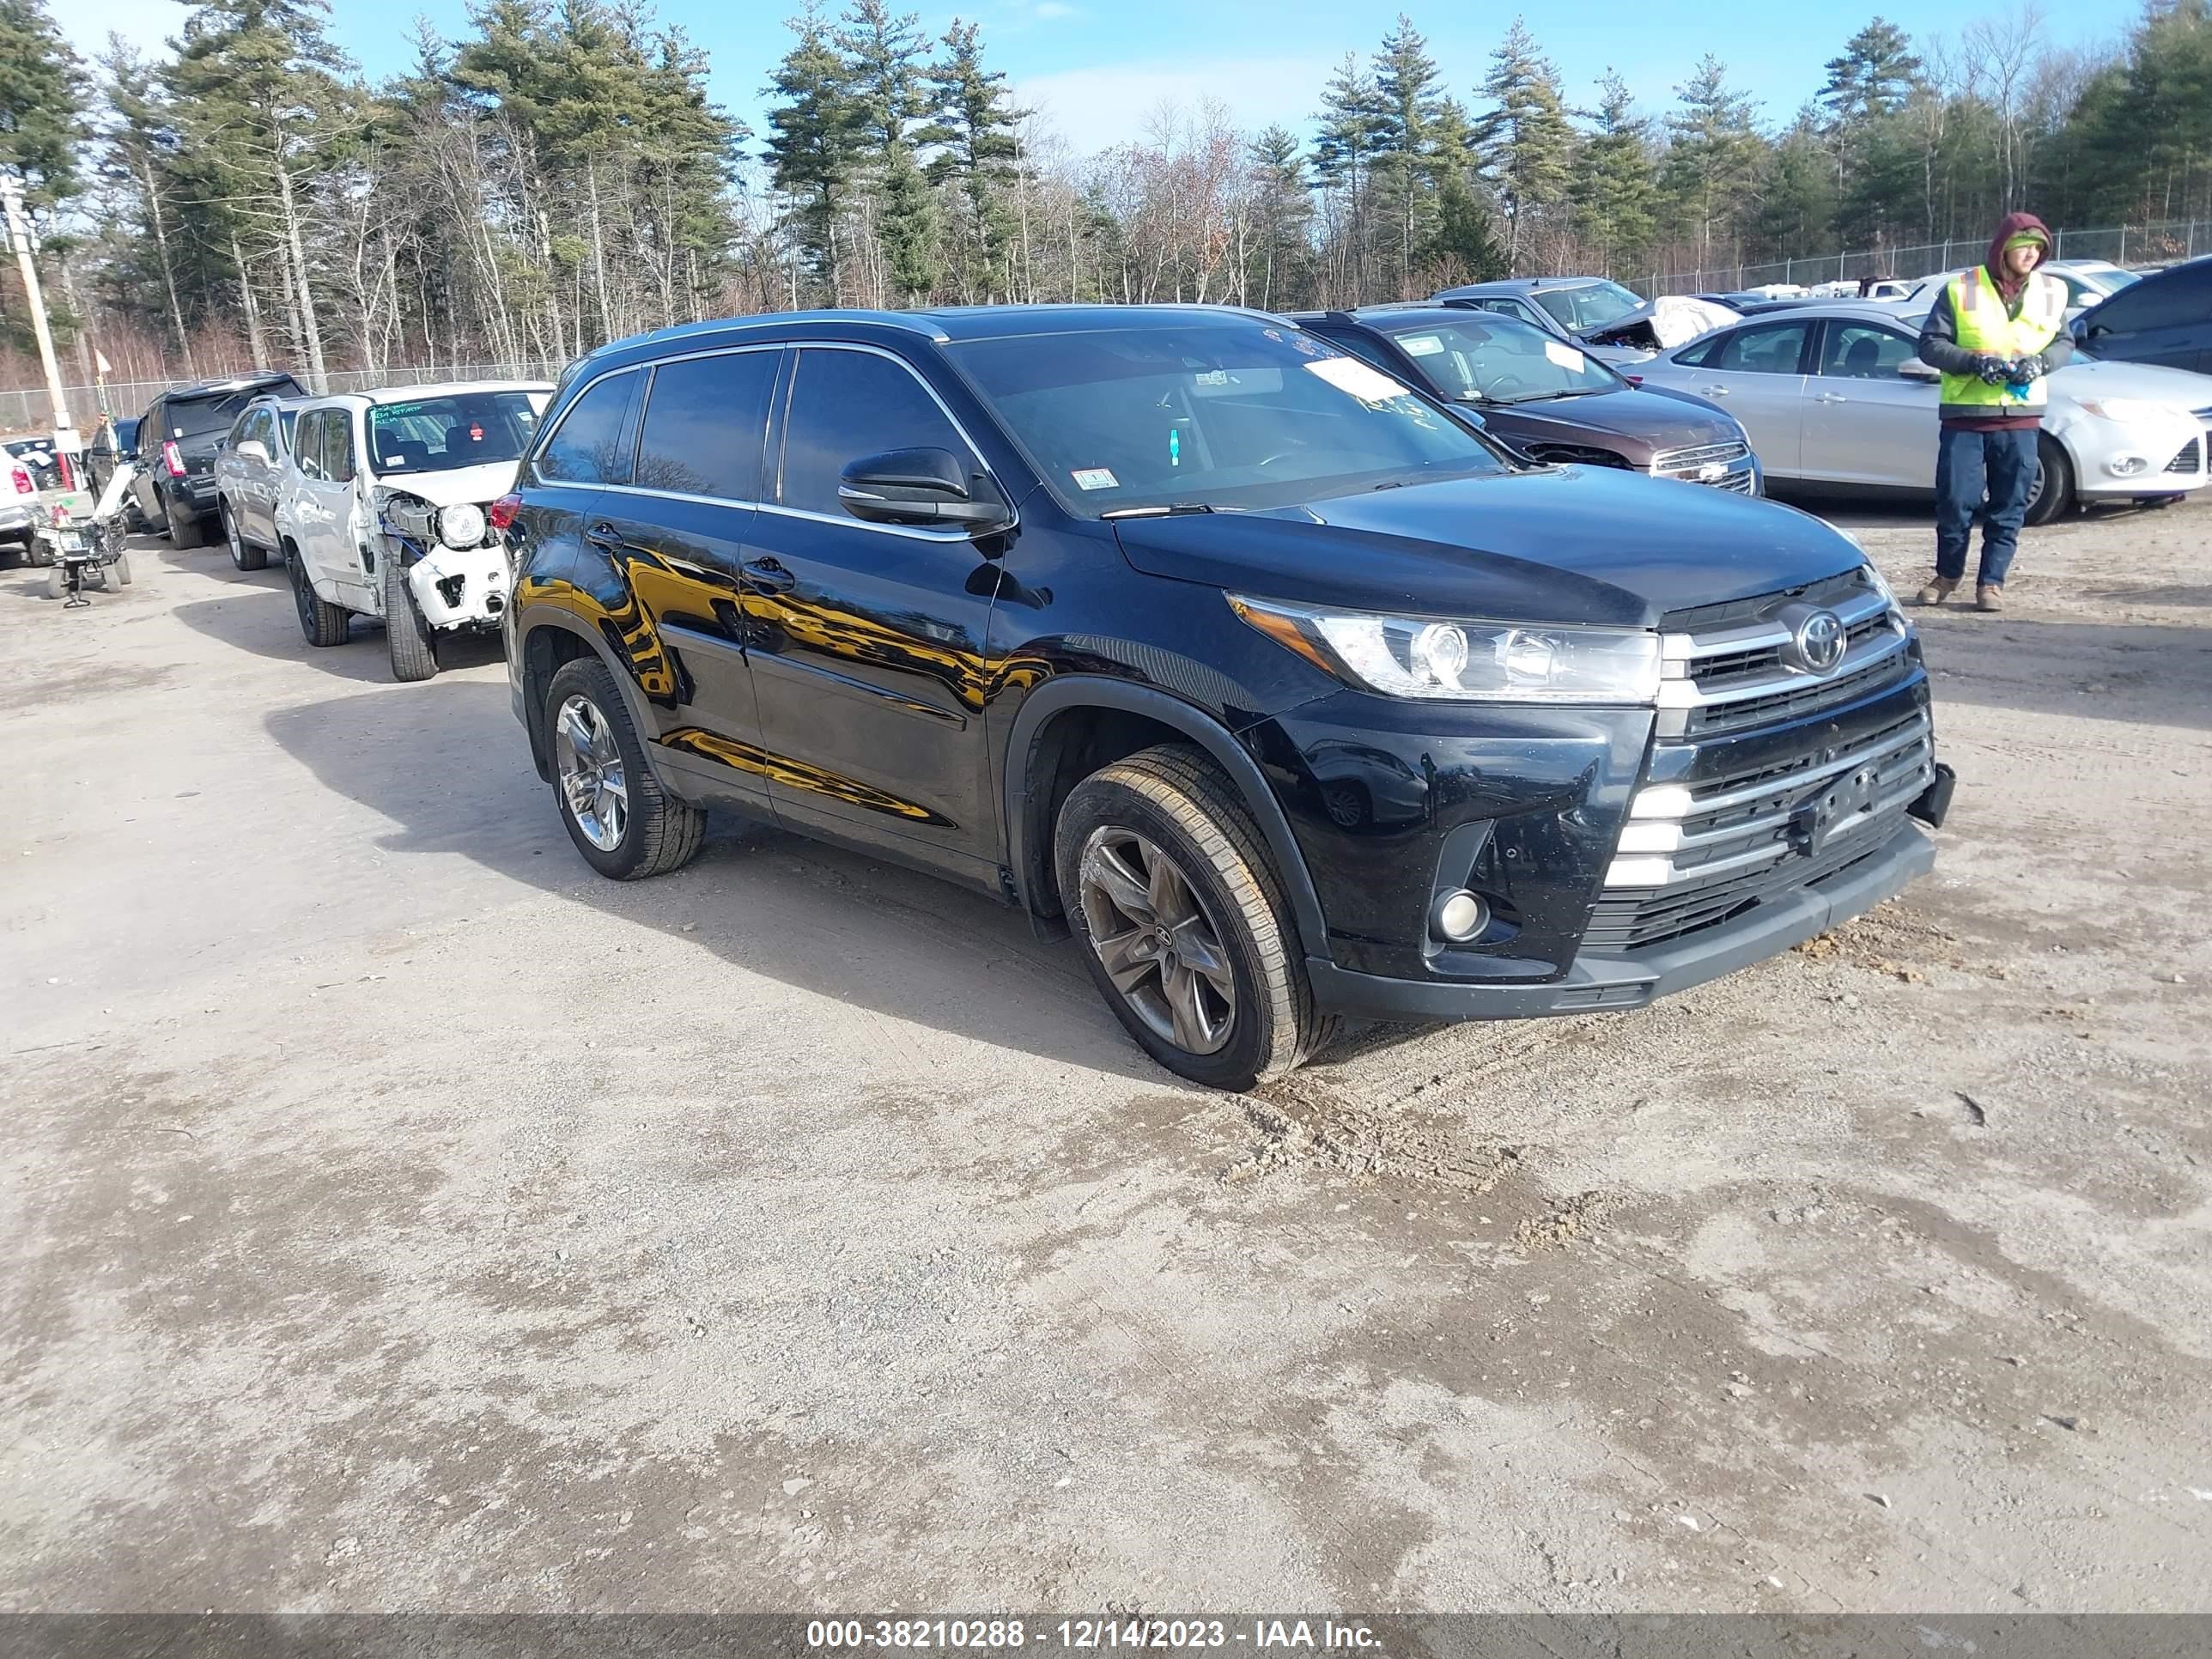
<point x="1971" y="467"/>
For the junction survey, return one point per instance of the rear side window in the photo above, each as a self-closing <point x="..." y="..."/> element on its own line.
<point x="309" y="459"/>
<point x="586" y="446"/>
<point x="846" y="405"/>
<point x="1777" y="348"/>
<point x="705" y="419"/>
<point x="338" y="444"/>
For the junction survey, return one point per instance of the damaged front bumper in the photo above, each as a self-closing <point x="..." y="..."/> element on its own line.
<point x="457" y="588"/>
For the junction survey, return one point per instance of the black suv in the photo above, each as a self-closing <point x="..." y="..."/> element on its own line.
<point x="1185" y="631"/>
<point x="176" y="445"/>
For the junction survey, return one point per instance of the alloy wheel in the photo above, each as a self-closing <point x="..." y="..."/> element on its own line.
<point x="589" y="764"/>
<point x="1158" y="943"/>
<point x="230" y="534"/>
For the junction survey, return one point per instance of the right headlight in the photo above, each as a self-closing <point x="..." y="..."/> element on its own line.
<point x="461" y="526"/>
<point x="1451" y="661"/>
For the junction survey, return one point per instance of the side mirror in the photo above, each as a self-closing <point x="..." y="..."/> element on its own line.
<point x="1913" y="369"/>
<point x="254" y="450"/>
<point x="920" y="487"/>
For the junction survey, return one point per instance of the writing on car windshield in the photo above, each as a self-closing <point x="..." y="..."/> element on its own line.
<point x="1231" y="415"/>
<point x="437" y="435"/>
<point x="1499" y="360"/>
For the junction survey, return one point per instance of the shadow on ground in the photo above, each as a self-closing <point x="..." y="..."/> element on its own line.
<point x="259" y="618"/>
<point x="446" y="763"/>
<point x="2156" y="674"/>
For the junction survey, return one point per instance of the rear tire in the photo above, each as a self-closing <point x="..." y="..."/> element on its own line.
<point x="186" y="528"/>
<point x="321" y="623"/>
<point x="624" y="822"/>
<point x="1207" y="974"/>
<point x="2055" y="497"/>
<point x="243" y="554"/>
<point x="414" y="652"/>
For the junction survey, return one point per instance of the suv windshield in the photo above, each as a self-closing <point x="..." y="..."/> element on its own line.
<point x="436" y="434"/>
<point x="1498" y="360"/>
<point x="1230" y="415"/>
<point x="1586" y="305"/>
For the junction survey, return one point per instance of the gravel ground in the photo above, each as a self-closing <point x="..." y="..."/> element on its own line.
<point x="396" y="1216"/>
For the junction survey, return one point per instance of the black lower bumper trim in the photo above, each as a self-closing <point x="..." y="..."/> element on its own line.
<point x="1599" y="982"/>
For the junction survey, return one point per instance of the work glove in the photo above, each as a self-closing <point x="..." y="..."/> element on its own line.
<point x="1994" y="371"/>
<point x="2027" y="370"/>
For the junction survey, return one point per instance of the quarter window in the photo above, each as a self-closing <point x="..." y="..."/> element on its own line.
<point x="846" y="405"/>
<point x="338" y="444"/>
<point x="705" y="419"/>
<point x="586" y="446"/>
<point x="309" y="459"/>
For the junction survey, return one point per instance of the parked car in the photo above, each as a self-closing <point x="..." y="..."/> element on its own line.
<point x="19" y="501"/>
<point x="175" y="488"/>
<point x="114" y="443"/>
<point x="1590" y="311"/>
<point x="1552" y="402"/>
<point x="1283" y="691"/>
<point x="386" y="511"/>
<point x="36" y="452"/>
<point x="2089" y="283"/>
<point x="253" y="465"/>
<point x="1834" y="394"/>
<point x="2165" y="319"/>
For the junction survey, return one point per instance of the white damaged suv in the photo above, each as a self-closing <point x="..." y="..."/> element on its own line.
<point x="386" y="511"/>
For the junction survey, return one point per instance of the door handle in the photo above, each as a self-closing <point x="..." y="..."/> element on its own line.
<point x="1833" y="398"/>
<point x="768" y="575"/>
<point x="1713" y="391"/>
<point x="604" y="534"/>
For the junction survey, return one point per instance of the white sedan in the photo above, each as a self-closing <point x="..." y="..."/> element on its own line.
<point x="384" y="511"/>
<point x="1835" y="395"/>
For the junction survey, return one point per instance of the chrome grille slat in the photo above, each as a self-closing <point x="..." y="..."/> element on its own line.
<point x="1687" y="693"/>
<point x="1680" y="460"/>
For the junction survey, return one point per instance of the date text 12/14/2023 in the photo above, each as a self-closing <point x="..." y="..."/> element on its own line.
<point x="1091" y="1634"/>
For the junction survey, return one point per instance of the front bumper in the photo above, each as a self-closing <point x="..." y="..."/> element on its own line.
<point x="460" y="588"/>
<point x="1598" y="982"/>
<point x="2127" y="459"/>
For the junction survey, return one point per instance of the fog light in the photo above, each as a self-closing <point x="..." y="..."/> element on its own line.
<point x="1459" y="916"/>
<point x="2127" y="466"/>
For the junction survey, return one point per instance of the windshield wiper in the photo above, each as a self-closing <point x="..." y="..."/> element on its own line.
<point x="1173" y="509"/>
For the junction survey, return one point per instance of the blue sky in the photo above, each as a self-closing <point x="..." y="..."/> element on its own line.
<point x="1098" y="66"/>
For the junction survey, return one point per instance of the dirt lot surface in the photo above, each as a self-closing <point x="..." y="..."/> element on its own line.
<point x="396" y="1215"/>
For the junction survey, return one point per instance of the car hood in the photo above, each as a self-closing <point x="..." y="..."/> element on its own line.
<point x="1653" y="421"/>
<point x="476" y="484"/>
<point x="2178" y="386"/>
<point x="1564" y="544"/>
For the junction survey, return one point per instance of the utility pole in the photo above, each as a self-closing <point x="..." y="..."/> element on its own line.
<point x="68" y="447"/>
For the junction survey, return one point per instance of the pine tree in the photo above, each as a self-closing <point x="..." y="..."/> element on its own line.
<point x="1713" y="157"/>
<point x="814" y="142"/>
<point x="1529" y="137"/>
<point x="1409" y="101"/>
<point x="973" y="127"/>
<point x="1282" y="210"/>
<point x="1614" y="186"/>
<point x="1797" y="195"/>
<point x="42" y="91"/>
<point x="1352" y="120"/>
<point x="139" y="135"/>
<point x="886" y="72"/>
<point x="1874" y="77"/>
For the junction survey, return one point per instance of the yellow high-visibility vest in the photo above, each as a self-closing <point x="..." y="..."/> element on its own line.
<point x="1986" y="328"/>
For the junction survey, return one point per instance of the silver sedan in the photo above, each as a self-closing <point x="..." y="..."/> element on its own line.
<point x="1836" y="395"/>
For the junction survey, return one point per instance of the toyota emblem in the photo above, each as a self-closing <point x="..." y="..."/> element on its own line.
<point x="1820" y="640"/>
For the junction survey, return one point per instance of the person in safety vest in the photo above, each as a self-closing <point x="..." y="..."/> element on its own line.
<point x="1996" y="332"/>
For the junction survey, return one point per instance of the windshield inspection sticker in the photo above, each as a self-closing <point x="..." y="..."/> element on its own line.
<point x="1566" y="356"/>
<point x="1095" y="478"/>
<point x="1421" y="345"/>
<point x="1350" y="375"/>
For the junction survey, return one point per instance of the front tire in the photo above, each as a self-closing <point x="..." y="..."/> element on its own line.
<point x="2053" y="494"/>
<point x="321" y="623"/>
<point x="56" y="582"/>
<point x="1181" y="919"/>
<point x="414" y="652"/>
<point x="121" y="568"/>
<point x="243" y="554"/>
<point x="624" y="822"/>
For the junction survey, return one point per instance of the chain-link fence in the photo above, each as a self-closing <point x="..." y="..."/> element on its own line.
<point x="31" y="410"/>
<point x="2123" y="244"/>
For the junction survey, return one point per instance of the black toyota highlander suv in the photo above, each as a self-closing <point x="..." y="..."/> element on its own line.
<point x="1186" y="632"/>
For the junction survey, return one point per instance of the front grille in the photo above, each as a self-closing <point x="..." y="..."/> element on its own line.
<point x="2190" y="459"/>
<point x="1809" y="797"/>
<point x="1689" y="460"/>
<point x="1740" y="483"/>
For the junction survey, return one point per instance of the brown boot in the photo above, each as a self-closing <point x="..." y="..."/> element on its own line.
<point x="1990" y="596"/>
<point x="1938" y="590"/>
